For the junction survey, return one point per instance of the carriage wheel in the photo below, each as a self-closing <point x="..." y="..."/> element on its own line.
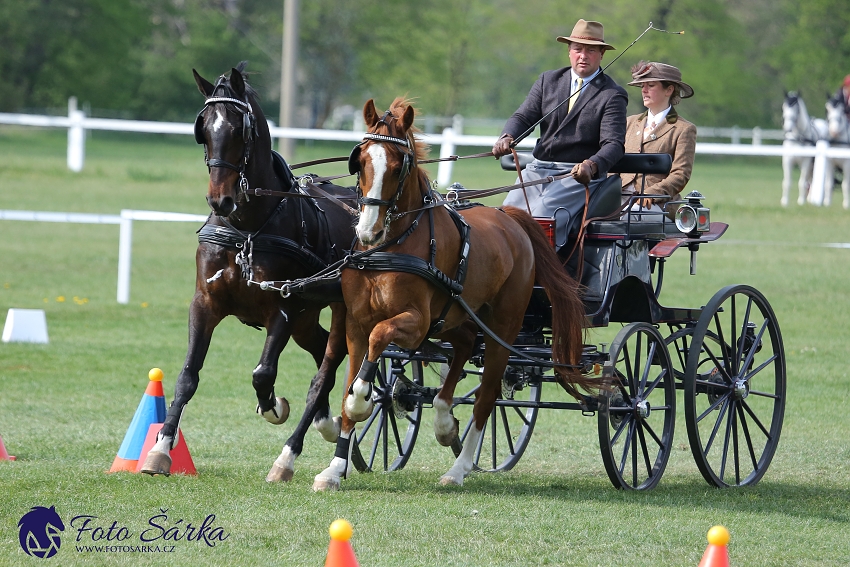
<point x="735" y="387"/>
<point x="637" y="416"/>
<point x="508" y="429"/>
<point x="385" y="440"/>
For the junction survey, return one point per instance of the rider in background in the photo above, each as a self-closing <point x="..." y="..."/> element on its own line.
<point x="660" y="130"/>
<point x="584" y="136"/>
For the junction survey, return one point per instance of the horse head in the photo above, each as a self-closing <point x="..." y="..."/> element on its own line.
<point x="232" y="128"/>
<point x="792" y="109"/>
<point x="836" y="118"/>
<point x="383" y="162"/>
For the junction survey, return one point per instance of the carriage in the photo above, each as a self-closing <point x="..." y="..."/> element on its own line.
<point x="726" y="357"/>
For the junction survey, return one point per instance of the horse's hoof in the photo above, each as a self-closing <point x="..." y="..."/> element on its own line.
<point x="325" y="484"/>
<point x="278" y="414"/>
<point x="157" y="463"/>
<point x="448" y="439"/>
<point x="279" y="474"/>
<point x="448" y="480"/>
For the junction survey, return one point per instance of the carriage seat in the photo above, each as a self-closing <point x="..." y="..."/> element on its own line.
<point x="607" y="198"/>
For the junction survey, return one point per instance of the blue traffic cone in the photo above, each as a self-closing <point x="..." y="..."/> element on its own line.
<point x="151" y="410"/>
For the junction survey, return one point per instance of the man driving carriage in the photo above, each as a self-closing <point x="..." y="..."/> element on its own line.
<point x="586" y="136"/>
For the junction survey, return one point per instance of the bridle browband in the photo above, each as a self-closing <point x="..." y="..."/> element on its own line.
<point x="407" y="165"/>
<point x="249" y="125"/>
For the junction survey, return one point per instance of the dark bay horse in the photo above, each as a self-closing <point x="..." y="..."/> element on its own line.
<point x="253" y="238"/>
<point x="487" y="257"/>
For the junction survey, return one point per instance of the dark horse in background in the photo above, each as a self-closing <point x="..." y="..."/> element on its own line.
<point x="257" y="238"/>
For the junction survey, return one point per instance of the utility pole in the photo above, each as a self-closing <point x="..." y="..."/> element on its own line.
<point x="288" y="78"/>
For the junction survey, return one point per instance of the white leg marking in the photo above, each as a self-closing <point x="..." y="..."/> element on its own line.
<point x="463" y="464"/>
<point x="286" y="460"/>
<point x="215" y="276"/>
<point x="358" y="404"/>
<point x="162" y="446"/>
<point x="444" y="424"/>
<point x="369" y="216"/>
<point x="329" y="428"/>
<point x="329" y="479"/>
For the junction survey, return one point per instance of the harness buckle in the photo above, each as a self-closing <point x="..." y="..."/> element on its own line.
<point x="243" y="185"/>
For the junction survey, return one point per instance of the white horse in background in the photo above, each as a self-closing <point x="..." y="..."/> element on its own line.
<point x="800" y="131"/>
<point x="839" y="135"/>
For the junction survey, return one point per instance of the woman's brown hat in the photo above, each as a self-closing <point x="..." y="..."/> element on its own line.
<point x="590" y="33"/>
<point x="654" y="71"/>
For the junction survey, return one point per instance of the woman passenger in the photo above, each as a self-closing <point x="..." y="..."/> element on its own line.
<point x="660" y="130"/>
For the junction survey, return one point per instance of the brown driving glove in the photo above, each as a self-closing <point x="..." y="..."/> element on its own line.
<point x="583" y="172"/>
<point x="502" y="146"/>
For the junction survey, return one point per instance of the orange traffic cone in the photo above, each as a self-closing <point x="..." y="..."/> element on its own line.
<point x="340" y="553"/>
<point x="151" y="410"/>
<point x="4" y="456"/>
<point x="716" y="554"/>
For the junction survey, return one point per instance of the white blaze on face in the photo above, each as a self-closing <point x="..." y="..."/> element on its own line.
<point x="369" y="214"/>
<point x="219" y="119"/>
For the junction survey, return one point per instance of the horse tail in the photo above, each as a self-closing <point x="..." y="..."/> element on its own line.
<point x="567" y="308"/>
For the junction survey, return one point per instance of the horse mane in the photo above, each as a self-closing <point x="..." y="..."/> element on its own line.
<point x="397" y="108"/>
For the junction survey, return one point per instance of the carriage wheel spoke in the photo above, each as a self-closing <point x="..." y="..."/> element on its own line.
<point x="644" y="450"/>
<point x="652" y="434"/>
<point x="398" y="443"/>
<point x="627" y="443"/>
<point x="521" y="415"/>
<point x="507" y="427"/>
<point x="761" y="367"/>
<point x="722" y="399"/>
<point x="717" y="423"/>
<point x="645" y="374"/>
<point x="649" y="389"/>
<point x="716" y="361"/>
<point x="378" y="428"/>
<point x="742" y="418"/>
<point x="729" y="427"/>
<point x="756" y="419"/>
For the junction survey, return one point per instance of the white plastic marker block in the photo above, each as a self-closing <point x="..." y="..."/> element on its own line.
<point x="25" y="326"/>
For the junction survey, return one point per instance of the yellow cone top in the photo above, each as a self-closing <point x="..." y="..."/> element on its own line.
<point x="718" y="535"/>
<point x="155" y="375"/>
<point x="341" y="530"/>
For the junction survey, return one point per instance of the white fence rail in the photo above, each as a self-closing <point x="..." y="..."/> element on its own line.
<point x="77" y="123"/>
<point x="125" y="237"/>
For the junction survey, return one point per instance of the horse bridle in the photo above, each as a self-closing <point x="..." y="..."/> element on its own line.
<point x="249" y="130"/>
<point x="406" y="166"/>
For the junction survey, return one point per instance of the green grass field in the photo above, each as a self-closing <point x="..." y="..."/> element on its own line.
<point x="65" y="407"/>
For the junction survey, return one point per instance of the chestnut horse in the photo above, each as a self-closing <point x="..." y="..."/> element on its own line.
<point x="249" y="239"/>
<point x="499" y="251"/>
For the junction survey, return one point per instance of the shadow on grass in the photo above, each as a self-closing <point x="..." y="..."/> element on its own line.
<point x="801" y="500"/>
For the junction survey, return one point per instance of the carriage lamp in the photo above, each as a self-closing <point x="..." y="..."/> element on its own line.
<point x="691" y="217"/>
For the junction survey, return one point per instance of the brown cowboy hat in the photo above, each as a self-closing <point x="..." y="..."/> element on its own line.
<point x="590" y="33"/>
<point x="653" y="71"/>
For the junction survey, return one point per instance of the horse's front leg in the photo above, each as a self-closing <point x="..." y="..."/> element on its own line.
<point x="317" y="407"/>
<point x="406" y="330"/>
<point x="202" y="321"/>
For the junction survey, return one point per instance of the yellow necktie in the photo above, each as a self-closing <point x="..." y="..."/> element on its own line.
<point x="574" y="96"/>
